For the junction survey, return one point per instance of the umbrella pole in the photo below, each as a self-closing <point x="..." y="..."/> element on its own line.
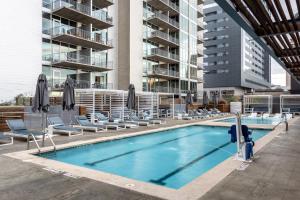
<point x="43" y="127"/>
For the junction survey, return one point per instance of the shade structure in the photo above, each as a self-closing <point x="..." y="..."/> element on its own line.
<point x="188" y="101"/>
<point x="41" y="97"/>
<point x="68" y="95"/>
<point x="205" y="99"/>
<point x="130" y="104"/>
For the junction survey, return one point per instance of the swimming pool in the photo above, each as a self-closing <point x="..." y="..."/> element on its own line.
<point x="254" y="120"/>
<point x="169" y="158"/>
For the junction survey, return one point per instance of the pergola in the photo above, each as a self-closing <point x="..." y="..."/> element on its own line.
<point x="276" y="23"/>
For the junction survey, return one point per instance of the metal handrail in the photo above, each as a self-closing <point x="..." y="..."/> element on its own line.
<point x="77" y="32"/>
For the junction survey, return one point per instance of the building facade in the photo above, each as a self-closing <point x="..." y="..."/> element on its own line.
<point x="106" y="44"/>
<point x="234" y="62"/>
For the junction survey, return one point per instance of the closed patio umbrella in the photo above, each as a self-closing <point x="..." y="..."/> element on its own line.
<point x="130" y="104"/>
<point x="195" y="96"/>
<point x="41" y="98"/>
<point x="188" y="101"/>
<point x="215" y="99"/>
<point x="205" y="99"/>
<point x="68" y="95"/>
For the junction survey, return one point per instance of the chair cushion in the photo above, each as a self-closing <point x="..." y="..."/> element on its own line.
<point x="55" y="120"/>
<point x="16" y="124"/>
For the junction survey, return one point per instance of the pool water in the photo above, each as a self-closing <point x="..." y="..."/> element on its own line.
<point x="169" y="158"/>
<point x="254" y="120"/>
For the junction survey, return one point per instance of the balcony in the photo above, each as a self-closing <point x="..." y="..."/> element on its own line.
<point x="163" y="21"/>
<point x="163" y="38"/>
<point x="80" y="37"/>
<point x="200" y="26"/>
<point x="158" y="55"/>
<point x="163" y="89"/>
<point x="58" y="84"/>
<point x="198" y="79"/>
<point x="200" y="11"/>
<point x="164" y="5"/>
<point x="78" y="12"/>
<point x="164" y="73"/>
<point x="102" y="3"/>
<point x="200" y="39"/>
<point x="75" y="60"/>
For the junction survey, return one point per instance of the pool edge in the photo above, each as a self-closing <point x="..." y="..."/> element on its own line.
<point x="192" y="190"/>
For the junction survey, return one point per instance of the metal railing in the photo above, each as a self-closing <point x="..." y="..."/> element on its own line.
<point x="77" y="57"/>
<point x="77" y="32"/>
<point x="98" y="14"/>
<point x="165" y="36"/>
<point x="164" y="53"/>
<point x="164" y="18"/>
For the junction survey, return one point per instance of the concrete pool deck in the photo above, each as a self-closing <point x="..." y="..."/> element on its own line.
<point x="21" y="178"/>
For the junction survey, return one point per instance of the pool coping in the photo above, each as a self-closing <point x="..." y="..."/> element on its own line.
<point x="193" y="190"/>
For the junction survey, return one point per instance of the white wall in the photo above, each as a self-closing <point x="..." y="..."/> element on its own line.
<point x="20" y="47"/>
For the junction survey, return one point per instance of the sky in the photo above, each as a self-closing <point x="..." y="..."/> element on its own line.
<point x="278" y="74"/>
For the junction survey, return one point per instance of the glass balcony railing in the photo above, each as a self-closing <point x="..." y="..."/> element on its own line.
<point x="80" y="33"/>
<point x="164" y="18"/>
<point x="164" y="89"/>
<point x="98" y="14"/>
<point x="162" y="71"/>
<point x="59" y="84"/>
<point x="164" y="53"/>
<point x="163" y="35"/>
<point x="77" y="57"/>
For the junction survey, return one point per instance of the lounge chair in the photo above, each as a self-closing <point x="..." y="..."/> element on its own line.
<point x="200" y="115"/>
<point x="85" y="124"/>
<point x="146" y="115"/>
<point x="133" y="119"/>
<point x="183" y="116"/>
<point x="19" y="130"/>
<point x="58" y="126"/>
<point x="253" y="115"/>
<point x="6" y="140"/>
<point x="101" y="119"/>
<point x="266" y="115"/>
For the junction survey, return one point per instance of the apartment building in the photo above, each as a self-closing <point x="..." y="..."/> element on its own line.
<point x="155" y="44"/>
<point x="234" y="62"/>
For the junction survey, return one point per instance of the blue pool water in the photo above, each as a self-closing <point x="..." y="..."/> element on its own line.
<point x="170" y="158"/>
<point x="255" y="120"/>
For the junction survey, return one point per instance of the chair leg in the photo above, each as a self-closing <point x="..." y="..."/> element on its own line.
<point x="28" y="142"/>
<point x="43" y="143"/>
